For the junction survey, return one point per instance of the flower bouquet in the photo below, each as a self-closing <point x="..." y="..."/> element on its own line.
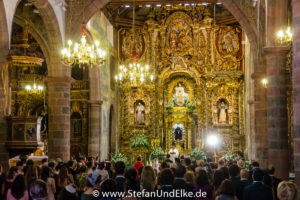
<point x="115" y="157"/>
<point x="198" y="154"/>
<point x="158" y="152"/>
<point x="140" y="141"/>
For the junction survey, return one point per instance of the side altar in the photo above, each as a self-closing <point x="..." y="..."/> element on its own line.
<point x="198" y="86"/>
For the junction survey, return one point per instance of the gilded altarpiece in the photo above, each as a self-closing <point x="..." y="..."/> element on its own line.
<point x="199" y="83"/>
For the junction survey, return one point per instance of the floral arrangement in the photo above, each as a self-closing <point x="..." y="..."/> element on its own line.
<point x="229" y="156"/>
<point x="190" y="105"/>
<point x="198" y="154"/>
<point x="156" y="153"/>
<point x="115" y="157"/>
<point x="140" y="141"/>
<point x="170" y="104"/>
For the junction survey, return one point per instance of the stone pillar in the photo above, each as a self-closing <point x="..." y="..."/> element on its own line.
<point x="3" y="123"/>
<point x="296" y="88"/>
<point x="94" y="127"/>
<point x="59" y="117"/>
<point x="277" y="110"/>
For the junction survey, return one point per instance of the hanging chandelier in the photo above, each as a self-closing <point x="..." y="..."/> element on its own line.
<point x="133" y="72"/>
<point x="35" y="89"/>
<point x="82" y="53"/>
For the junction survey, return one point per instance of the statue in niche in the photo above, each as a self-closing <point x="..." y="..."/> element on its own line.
<point x="178" y="134"/>
<point x="140" y="113"/>
<point x="222" y="106"/>
<point x="178" y="131"/>
<point x="180" y="96"/>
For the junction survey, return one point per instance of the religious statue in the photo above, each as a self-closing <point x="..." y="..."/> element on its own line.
<point x="140" y="113"/>
<point x="222" y="113"/>
<point x="178" y="134"/>
<point x="180" y="97"/>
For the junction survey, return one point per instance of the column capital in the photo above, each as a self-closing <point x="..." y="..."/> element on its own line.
<point x="51" y="79"/>
<point x="95" y="102"/>
<point x="276" y="50"/>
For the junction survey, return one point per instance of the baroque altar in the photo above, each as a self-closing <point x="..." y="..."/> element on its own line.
<point x="199" y="81"/>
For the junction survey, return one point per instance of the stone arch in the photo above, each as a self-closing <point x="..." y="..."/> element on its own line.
<point x="55" y="39"/>
<point x="4" y="35"/>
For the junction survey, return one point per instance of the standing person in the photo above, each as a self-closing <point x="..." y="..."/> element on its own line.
<point x="218" y="178"/>
<point x="234" y="172"/>
<point x="258" y="190"/>
<point x="8" y="181"/>
<point x="148" y="179"/>
<point x="202" y="185"/>
<point x="138" y="164"/>
<point x="120" y="179"/>
<point x="18" y="190"/>
<point x="174" y="153"/>
<point x="109" y="169"/>
<point x="226" y="191"/>
<point x="30" y="175"/>
<point x="62" y="180"/>
<point x="2" y="180"/>
<point x="51" y="188"/>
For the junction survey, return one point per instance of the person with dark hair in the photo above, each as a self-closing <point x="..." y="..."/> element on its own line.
<point x="30" y="175"/>
<point x="218" y="178"/>
<point x="234" y="172"/>
<point x="2" y="180"/>
<point x="9" y="180"/>
<point x="166" y="180"/>
<point x="258" y="190"/>
<point x="138" y="164"/>
<point x="20" y="167"/>
<point x="221" y="163"/>
<point x="253" y="166"/>
<point x="38" y="190"/>
<point x="168" y="160"/>
<point x="225" y="172"/>
<point x="275" y="180"/>
<point x="51" y="188"/>
<point x="109" y="185"/>
<point x="62" y="180"/>
<point x="120" y="179"/>
<point x="108" y="168"/>
<point x="18" y="190"/>
<point x="72" y="168"/>
<point x="69" y="193"/>
<point x="226" y="191"/>
<point x="179" y="183"/>
<point x="202" y="184"/>
<point x="44" y="162"/>
<point x="131" y="183"/>
<point x="164" y="165"/>
<point x="187" y="162"/>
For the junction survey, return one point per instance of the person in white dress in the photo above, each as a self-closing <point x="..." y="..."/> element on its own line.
<point x="174" y="153"/>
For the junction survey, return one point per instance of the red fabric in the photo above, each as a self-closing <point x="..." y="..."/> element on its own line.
<point x="137" y="165"/>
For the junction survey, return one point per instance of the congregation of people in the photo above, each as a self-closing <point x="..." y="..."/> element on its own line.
<point x="88" y="178"/>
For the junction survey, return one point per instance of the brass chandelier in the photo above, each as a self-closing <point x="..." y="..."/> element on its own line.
<point x="82" y="53"/>
<point x="133" y="72"/>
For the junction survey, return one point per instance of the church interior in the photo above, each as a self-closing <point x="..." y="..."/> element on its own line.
<point x="129" y="78"/>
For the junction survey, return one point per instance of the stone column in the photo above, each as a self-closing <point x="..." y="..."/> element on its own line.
<point x="296" y="88"/>
<point x="59" y="117"/>
<point x="94" y="127"/>
<point x="3" y="123"/>
<point x="277" y="110"/>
